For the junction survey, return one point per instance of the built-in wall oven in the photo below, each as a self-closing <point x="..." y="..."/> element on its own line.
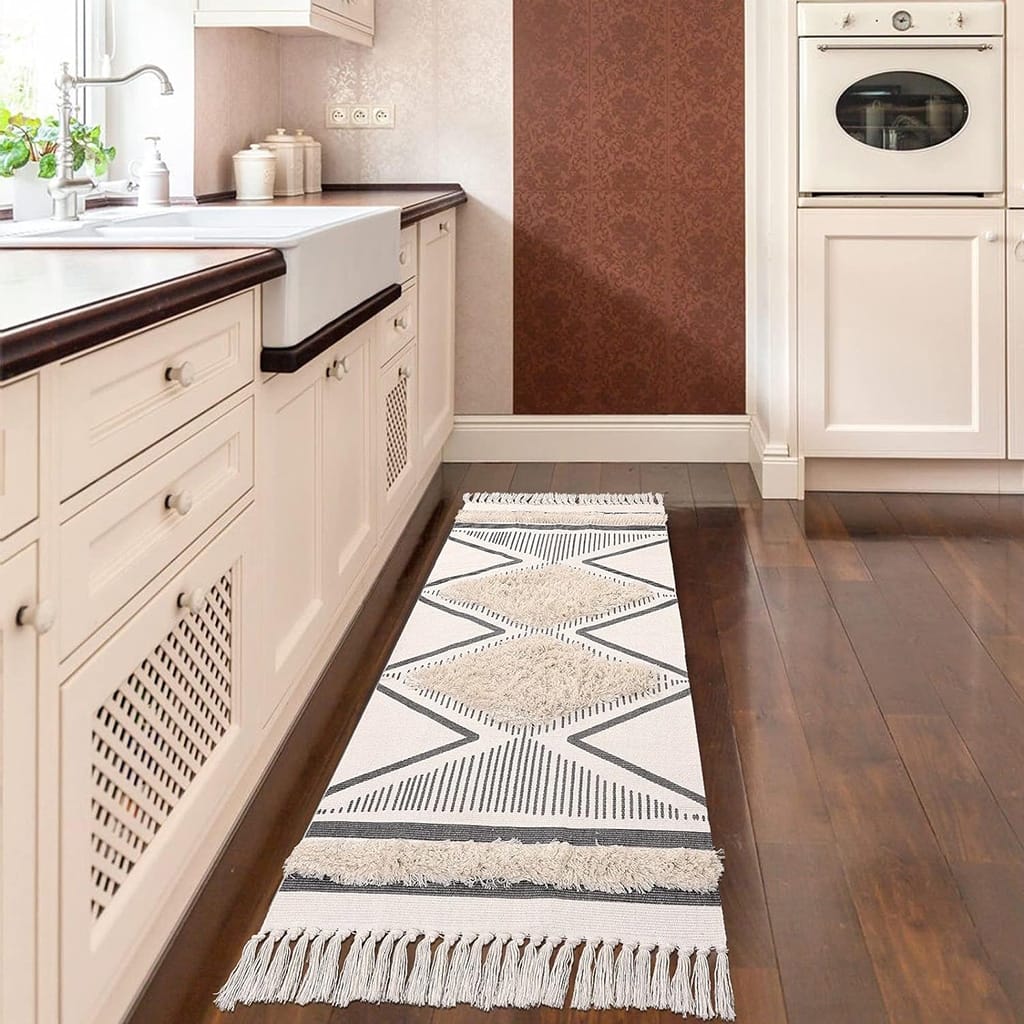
<point x="901" y="100"/>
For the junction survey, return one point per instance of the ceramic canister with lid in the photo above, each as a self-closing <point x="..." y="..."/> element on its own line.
<point x="255" y="171"/>
<point x="311" y="162"/>
<point x="289" y="152"/>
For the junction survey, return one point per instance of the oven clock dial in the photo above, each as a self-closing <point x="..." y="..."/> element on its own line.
<point x="901" y="21"/>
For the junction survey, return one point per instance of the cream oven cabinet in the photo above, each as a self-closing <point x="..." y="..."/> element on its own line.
<point x="902" y="333"/>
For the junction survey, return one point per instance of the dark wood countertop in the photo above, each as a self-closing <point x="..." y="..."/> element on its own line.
<point x="57" y="302"/>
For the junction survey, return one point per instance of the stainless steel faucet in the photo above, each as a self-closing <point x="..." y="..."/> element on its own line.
<point x="65" y="188"/>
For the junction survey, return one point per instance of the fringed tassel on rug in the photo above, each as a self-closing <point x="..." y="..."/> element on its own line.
<point x="481" y="970"/>
<point x="623" y="995"/>
<point x="418" y="988"/>
<point x="490" y="975"/>
<point x="604" y="977"/>
<point x="583" y="990"/>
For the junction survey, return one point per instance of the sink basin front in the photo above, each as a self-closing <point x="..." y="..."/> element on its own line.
<point x="336" y="256"/>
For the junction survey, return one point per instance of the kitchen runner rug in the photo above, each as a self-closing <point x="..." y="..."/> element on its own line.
<point x="519" y="819"/>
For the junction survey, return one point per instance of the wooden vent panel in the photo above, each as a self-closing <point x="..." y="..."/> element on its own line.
<point x="152" y="737"/>
<point x="396" y="430"/>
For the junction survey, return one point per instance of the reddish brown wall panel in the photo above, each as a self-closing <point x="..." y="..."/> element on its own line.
<point x="629" y="206"/>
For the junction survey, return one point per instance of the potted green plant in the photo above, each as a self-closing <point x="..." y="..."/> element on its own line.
<point x="28" y="154"/>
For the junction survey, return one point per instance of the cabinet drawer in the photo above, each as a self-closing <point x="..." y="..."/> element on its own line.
<point x="408" y="249"/>
<point x="115" y="546"/>
<point x="396" y="326"/>
<point x="118" y="400"/>
<point x="19" y="454"/>
<point x="154" y="730"/>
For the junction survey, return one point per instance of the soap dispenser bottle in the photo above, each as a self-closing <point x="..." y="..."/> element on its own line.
<point x="152" y="175"/>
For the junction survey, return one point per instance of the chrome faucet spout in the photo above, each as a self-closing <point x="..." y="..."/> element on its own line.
<point x="166" y="89"/>
<point x="65" y="188"/>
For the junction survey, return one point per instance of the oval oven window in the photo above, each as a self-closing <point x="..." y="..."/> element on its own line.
<point x="902" y="110"/>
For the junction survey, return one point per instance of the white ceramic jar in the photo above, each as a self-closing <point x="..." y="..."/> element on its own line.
<point x="312" y="162"/>
<point x="290" y="161"/>
<point x="255" y="171"/>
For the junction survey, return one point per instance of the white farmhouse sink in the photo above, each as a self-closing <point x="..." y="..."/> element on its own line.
<point x="336" y="256"/>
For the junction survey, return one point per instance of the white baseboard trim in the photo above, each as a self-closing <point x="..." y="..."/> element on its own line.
<point x="936" y="476"/>
<point x="599" y="439"/>
<point x="777" y="473"/>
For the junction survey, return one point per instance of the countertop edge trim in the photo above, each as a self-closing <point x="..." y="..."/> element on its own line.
<point x="420" y="211"/>
<point x="44" y="341"/>
<point x="288" y="360"/>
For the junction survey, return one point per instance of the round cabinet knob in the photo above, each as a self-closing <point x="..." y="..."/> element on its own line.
<point x="443" y="227"/>
<point x="991" y="236"/>
<point x="401" y="323"/>
<point x="185" y="374"/>
<point x="404" y="373"/>
<point x="180" y="502"/>
<point x="40" y="617"/>
<point x="338" y="369"/>
<point x="403" y="256"/>
<point x="193" y="600"/>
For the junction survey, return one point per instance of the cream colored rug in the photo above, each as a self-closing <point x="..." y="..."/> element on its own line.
<point x="519" y="819"/>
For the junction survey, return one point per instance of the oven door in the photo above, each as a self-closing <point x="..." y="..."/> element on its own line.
<point x="921" y="115"/>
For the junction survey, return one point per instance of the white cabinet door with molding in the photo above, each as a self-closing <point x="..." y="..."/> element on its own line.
<point x="1015" y="333"/>
<point x="316" y="488"/>
<point x="1015" y="103"/>
<point x="22" y="618"/>
<point x="436" y="270"/>
<point x="397" y="433"/>
<point x="902" y="328"/>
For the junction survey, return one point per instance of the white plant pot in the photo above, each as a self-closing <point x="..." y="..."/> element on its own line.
<point x="30" y="197"/>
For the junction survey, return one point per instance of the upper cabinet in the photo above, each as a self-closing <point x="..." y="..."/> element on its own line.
<point x="347" y="19"/>
<point x="1015" y="104"/>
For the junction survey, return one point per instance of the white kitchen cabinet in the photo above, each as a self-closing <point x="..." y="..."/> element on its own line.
<point x="1015" y="333"/>
<point x="19" y="453"/>
<point x="436" y="333"/>
<point x="348" y="19"/>
<point x="397" y="437"/>
<point x="18" y="689"/>
<point x="316" y="468"/>
<point x="902" y="333"/>
<point x="1015" y="104"/>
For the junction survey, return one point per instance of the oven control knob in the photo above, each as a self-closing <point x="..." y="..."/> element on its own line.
<point x="902" y="21"/>
<point x="956" y="19"/>
<point x="846" y="20"/>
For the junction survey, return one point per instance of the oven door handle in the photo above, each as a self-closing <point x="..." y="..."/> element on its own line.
<point x="981" y="47"/>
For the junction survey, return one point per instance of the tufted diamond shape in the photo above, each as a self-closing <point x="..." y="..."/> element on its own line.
<point x="533" y="679"/>
<point x="547" y="596"/>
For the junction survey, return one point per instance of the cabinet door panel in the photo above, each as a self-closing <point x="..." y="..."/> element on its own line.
<point x="154" y="730"/>
<point x="1015" y="333"/>
<point x="902" y="333"/>
<point x="17" y="789"/>
<point x="349" y="527"/>
<point x="291" y="487"/>
<point x="436" y="339"/>
<point x="19" y="454"/>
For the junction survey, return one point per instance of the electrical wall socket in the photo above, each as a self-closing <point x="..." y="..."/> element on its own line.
<point x="360" y="115"/>
<point x="338" y="115"/>
<point x="383" y="115"/>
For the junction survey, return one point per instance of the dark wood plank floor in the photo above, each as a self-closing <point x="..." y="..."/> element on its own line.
<point x="857" y="664"/>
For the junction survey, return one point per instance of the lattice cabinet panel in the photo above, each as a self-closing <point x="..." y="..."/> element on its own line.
<point x="396" y="431"/>
<point x="153" y="732"/>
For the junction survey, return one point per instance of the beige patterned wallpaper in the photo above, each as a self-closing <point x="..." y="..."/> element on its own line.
<point x="238" y="99"/>
<point x="446" y="65"/>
